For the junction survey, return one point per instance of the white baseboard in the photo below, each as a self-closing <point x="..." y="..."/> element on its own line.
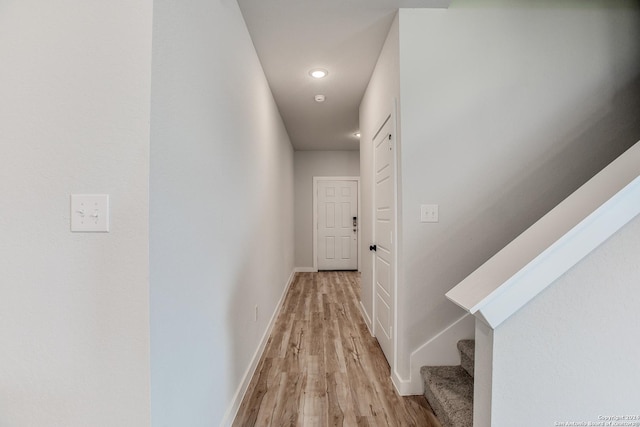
<point x="305" y="270"/>
<point x="440" y="350"/>
<point x="367" y="319"/>
<point x="403" y="387"/>
<point x="232" y="411"/>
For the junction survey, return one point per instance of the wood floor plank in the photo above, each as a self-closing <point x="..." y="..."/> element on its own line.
<point x="321" y="367"/>
<point x="335" y="414"/>
<point x="252" y="402"/>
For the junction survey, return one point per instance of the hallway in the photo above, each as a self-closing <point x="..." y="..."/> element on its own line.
<point x="321" y="367"/>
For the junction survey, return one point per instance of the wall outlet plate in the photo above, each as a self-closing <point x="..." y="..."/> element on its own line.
<point x="90" y="213"/>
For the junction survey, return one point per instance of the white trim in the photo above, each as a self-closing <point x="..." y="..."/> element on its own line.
<point x="403" y="387"/>
<point x="441" y="350"/>
<point x="393" y="119"/>
<point x="305" y="270"/>
<point x="374" y="324"/>
<point x="359" y="230"/>
<point x="554" y="244"/>
<point x="232" y="411"/>
<point x="367" y="319"/>
<point x="483" y="376"/>
<point x="561" y="256"/>
<point x="396" y="247"/>
<point x="317" y="179"/>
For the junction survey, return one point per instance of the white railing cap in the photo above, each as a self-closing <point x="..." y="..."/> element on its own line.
<point x="555" y="243"/>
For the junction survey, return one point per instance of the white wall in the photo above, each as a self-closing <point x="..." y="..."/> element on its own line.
<point x="74" y="118"/>
<point x="377" y="104"/>
<point x="577" y="341"/>
<point x="221" y="236"/>
<point x="504" y="113"/>
<point x="308" y="164"/>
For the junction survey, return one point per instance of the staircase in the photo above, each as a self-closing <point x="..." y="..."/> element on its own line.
<point x="449" y="389"/>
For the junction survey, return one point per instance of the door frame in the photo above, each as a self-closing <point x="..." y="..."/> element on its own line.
<point x="391" y="116"/>
<point x="317" y="179"/>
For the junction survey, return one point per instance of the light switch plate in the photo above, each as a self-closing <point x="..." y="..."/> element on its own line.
<point x="428" y="213"/>
<point x="90" y="213"/>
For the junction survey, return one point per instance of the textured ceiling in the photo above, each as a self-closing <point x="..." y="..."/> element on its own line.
<point x="342" y="36"/>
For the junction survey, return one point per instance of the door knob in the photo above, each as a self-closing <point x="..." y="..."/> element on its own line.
<point x="373" y="248"/>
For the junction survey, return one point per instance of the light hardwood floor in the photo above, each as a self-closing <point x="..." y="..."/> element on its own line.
<point x="321" y="367"/>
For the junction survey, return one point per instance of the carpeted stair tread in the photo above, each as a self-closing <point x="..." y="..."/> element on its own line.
<point x="449" y="390"/>
<point x="467" y="350"/>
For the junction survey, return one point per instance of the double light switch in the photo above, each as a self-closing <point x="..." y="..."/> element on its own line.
<point x="90" y="213"/>
<point x="429" y="213"/>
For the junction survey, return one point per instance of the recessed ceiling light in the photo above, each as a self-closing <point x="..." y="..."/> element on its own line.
<point x="319" y="98"/>
<point x="318" y="73"/>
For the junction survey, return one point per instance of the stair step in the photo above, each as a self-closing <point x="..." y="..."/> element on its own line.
<point x="467" y="350"/>
<point x="449" y="390"/>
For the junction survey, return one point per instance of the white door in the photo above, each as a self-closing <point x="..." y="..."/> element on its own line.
<point x="384" y="274"/>
<point x="337" y="234"/>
